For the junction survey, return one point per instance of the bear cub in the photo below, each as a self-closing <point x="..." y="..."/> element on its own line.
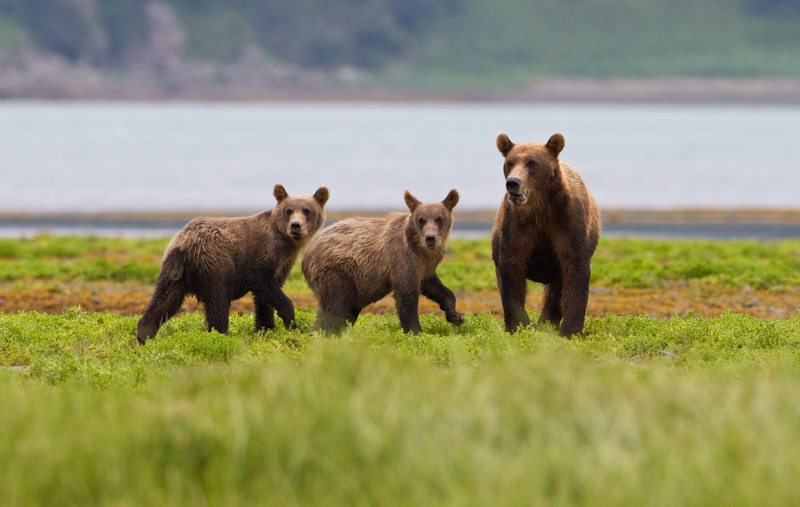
<point x="546" y="230"/>
<point x="221" y="259"/>
<point x="358" y="261"/>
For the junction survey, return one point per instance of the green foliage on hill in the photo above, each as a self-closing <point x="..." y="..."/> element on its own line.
<point x="504" y="41"/>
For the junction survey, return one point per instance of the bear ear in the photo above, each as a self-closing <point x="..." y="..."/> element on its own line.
<point x="411" y="201"/>
<point x="451" y="200"/>
<point x="279" y="192"/>
<point x="504" y="144"/>
<point x="321" y="195"/>
<point x="555" y="144"/>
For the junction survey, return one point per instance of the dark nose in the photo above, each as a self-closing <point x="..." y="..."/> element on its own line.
<point x="430" y="239"/>
<point x="512" y="185"/>
<point x="295" y="227"/>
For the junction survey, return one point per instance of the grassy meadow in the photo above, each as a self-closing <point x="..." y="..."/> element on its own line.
<point x="669" y="409"/>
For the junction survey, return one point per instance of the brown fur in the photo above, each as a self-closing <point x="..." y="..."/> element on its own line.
<point x="358" y="261"/>
<point x="221" y="259"/>
<point x="546" y="230"/>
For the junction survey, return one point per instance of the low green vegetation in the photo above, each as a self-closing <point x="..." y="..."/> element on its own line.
<point x="468" y="266"/>
<point x="638" y="411"/>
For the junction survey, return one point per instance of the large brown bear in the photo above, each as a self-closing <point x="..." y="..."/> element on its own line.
<point x="546" y="230"/>
<point x="358" y="261"/>
<point x="221" y="259"/>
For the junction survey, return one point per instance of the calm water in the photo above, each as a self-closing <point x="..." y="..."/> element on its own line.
<point x="143" y="156"/>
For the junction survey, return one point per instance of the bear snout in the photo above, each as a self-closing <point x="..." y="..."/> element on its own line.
<point x="515" y="191"/>
<point x="430" y="240"/>
<point x="296" y="228"/>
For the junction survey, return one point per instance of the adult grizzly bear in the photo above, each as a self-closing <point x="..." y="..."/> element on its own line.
<point x="358" y="261"/>
<point x="221" y="259"/>
<point x="546" y="230"/>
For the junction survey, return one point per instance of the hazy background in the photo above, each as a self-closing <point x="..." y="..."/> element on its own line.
<point x="130" y="48"/>
<point x="115" y="105"/>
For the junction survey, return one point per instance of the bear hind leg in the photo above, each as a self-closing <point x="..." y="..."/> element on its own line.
<point x="167" y="300"/>
<point x="551" y="309"/>
<point x="217" y="308"/>
<point x="337" y="304"/>
<point x="574" y="301"/>
<point x="354" y="313"/>
<point x="265" y="315"/>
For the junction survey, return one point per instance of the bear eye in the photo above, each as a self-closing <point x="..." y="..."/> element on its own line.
<point x="531" y="164"/>
<point x="439" y="220"/>
<point x="288" y="211"/>
<point x="306" y="211"/>
<point x="421" y="222"/>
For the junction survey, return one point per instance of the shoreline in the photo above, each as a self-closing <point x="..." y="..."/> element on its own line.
<point x="678" y="90"/>
<point x="754" y="223"/>
<point x="748" y="215"/>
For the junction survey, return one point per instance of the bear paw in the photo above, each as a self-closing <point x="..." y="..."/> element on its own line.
<point x="455" y="318"/>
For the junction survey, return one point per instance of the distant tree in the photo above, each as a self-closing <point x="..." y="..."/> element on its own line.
<point x="333" y="33"/>
<point x="57" y="26"/>
<point x="411" y="14"/>
<point x="125" y="25"/>
<point x="774" y="6"/>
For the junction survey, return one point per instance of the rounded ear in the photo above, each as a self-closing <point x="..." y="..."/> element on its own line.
<point x="321" y="195"/>
<point x="279" y="192"/>
<point x="504" y="144"/>
<point x="555" y="144"/>
<point x="451" y="200"/>
<point x="411" y="201"/>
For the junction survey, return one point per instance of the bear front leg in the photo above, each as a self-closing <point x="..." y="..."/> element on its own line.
<point x="574" y="299"/>
<point x="167" y="300"/>
<point x="265" y="315"/>
<point x="273" y="295"/>
<point x="433" y="289"/>
<point x="512" y="283"/>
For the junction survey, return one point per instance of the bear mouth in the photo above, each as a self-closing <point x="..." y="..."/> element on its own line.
<point x="297" y="235"/>
<point x="517" y="199"/>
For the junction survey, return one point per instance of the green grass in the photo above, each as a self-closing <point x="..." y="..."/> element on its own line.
<point x="468" y="266"/>
<point x="466" y="416"/>
<point x="647" y="263"/>
<point x="685" y="410"/>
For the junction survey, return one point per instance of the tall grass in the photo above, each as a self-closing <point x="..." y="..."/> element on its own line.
<point x="467" y="416"/>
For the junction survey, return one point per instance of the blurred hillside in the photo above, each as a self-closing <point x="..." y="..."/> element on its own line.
<point x="130" y="48"/>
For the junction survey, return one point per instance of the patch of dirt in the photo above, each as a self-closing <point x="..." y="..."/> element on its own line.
<point x="131" y="299"/>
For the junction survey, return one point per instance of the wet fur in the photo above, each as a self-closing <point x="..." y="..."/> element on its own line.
<point x="358" y="261"/>
<point x="221" y="259"/>
<point x="549" y="238"/>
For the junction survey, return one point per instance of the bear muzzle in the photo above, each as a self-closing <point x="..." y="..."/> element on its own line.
<point x="515" y="193"/>
<point x="430" y="240"/>
<point x="296" y="230"/>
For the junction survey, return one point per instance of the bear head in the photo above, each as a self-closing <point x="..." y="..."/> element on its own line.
<point x="530" y="168"/>
<point x="299" y="216"/>
<point x="432" y="221"/>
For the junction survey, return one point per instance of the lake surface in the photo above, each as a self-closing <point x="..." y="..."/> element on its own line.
<point x="58" y="157"/>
